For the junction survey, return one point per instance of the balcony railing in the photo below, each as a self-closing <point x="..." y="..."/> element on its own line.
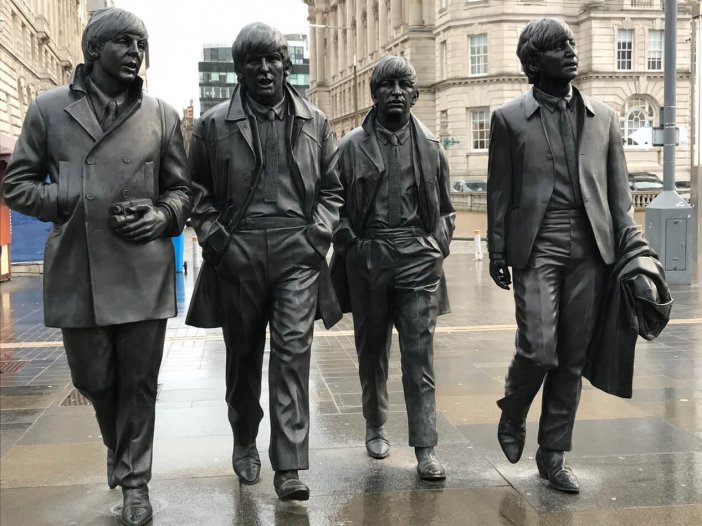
<point x="477" y="201"/>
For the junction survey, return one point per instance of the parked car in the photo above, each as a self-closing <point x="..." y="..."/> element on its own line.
<point x="644" y="182"/>
<point x="469" y="186"/>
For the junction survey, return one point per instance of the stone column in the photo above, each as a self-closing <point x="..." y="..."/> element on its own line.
<point x="382" y="23"/>
<point x="396" y="13"/>
<point x="321" y="57"/>
<point x="313" y="46"/>
<point x="371" y="32"/>
<point x="340" y="33"/>
<point x="416" y="14"/>
<point x="350" y="37"/>
<point x="360" y="35"/>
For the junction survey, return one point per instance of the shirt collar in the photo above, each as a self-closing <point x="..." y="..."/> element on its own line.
<point x="262" y="111"/>
<point x="549" y="101"/>
<point x="384" y="134"/>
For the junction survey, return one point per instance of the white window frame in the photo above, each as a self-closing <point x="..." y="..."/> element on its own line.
<point x="479" y="127"/>
<point x="625" y="49"/>
<point x="477" y="55"/>
<point x="654" y="53"/>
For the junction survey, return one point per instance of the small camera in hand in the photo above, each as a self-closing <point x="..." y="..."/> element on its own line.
<point x="122" y="213"/>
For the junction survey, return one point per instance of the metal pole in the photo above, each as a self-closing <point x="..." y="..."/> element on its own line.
<point x="671" y="9"/>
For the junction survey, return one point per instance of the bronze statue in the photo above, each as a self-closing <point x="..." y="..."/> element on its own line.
<point x="395" y="230"/>
<point x="117" y="189"/>
<point x="267" y="199"/>
<point x="559" y="213"/>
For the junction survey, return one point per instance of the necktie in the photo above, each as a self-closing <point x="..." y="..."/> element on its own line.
<point x="270" y="183"/>
<point x="394" y="190"/>
<point x="110" y="116"/>
<point x="570" y="148"/>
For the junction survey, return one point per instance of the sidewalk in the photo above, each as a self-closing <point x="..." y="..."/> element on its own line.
<point x="639" y="461"/>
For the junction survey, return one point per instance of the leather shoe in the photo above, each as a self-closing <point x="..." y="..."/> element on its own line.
<point x="377" y="444"/>
<point x="246" y="463"/>
<point x="551" y="465"/>
<point x="136" y="508"/>
<point x="111" y="482"/>
<point x="511" y="435"/>
<point x="428" y="467"/>
<point x="289" y="487"/>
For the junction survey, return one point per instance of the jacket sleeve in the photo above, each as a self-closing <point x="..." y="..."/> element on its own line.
<point x="212" y="235"/>
<point x="621" y="205"/>
<point x="325" y="213"/>
<point x="344" y="236"/>
<point x="447" y="214"/>
<point x="25" y="188"/>
<point x="174" y="177"/>
<point x="499" y="184"/>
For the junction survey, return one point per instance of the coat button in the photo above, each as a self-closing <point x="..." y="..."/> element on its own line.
<point x="126" y="159"/>
<point x="125" y="193"/>
<point x="90" y="160"/>
<point x="90" y="197"/>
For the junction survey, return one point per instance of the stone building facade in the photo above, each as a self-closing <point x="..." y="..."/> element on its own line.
<point x="464" y="54"/>
<point x="39" y="47"/>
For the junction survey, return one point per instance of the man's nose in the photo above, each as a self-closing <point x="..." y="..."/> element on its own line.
<point x="396" y="88"/>
<point x="264" y="63"/>
<point x="570" y="48"/>
<point x="133" y="47"/>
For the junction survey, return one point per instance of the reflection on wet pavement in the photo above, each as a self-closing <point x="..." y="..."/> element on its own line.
<point x="639" y="460"/>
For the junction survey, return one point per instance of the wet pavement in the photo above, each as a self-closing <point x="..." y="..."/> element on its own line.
<point x="639" y="460"/>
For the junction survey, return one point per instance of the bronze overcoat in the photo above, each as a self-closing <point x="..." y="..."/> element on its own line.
<point x="226" y="168"/>
<point x="361" y="167"/>
<point x="521" y="177"/>
<point x="66" y="170"/>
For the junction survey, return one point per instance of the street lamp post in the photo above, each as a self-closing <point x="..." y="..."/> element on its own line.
<point x="354" y="69"/>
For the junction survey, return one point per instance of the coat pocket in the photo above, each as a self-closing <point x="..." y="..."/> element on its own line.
<point x="70" y="188"/>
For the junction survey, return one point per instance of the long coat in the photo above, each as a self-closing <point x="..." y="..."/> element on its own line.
<point x="226" y="169"/>
<point x="362" y="168"/>
<point x="521" y="177"/>
<point x="92" y="275"/>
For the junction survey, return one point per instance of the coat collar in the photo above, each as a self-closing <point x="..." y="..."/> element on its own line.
<point x="81" y="110"/>
<point x="531" y="104"/>
<point x="297" y="106"/>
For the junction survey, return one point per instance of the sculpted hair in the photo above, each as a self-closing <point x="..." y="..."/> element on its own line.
<point x="105" y="24"/>
<point x="537" y="37"/>
<point x="392" y="67"/>
<point x="259" y="39"/>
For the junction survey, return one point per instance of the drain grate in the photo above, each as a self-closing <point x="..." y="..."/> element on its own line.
<point x="11" y="367"/>
<point x="74" y="398"/>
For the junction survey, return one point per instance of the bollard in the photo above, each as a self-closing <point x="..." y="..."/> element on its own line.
<point x="196" y="253"/>
<point x="478" y="248"/>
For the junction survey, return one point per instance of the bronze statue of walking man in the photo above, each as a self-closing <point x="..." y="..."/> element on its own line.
<point x="267" y="199"/>
<point x="118" y="188"/>
<point x="389" y="249"/>
<point x="558" y="202"/>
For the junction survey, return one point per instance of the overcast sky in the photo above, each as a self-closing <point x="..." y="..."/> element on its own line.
<point x="178" y="30"/>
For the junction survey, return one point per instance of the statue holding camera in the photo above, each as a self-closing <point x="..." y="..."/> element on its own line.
<point x="118" y="188"/>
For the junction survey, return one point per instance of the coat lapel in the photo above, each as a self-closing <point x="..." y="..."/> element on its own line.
<point x="84" y="115"/>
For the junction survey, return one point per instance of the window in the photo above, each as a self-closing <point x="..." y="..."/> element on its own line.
<point x="477" y="51"/>
<point x="625" y="46"/>
<point x="636" y="122"/>
<point x="655" y="49"/>
<point x="480" y="128"/>
<point x="231" y="78"/>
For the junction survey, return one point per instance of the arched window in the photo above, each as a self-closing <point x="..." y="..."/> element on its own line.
<point x="637" y="120"/>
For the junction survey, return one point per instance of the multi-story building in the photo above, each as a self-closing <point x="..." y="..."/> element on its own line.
<point x="300" y="56"/>
<point x="464" y="54"/>
<point x="39" y="46"/>
<point x="217" y="76"/>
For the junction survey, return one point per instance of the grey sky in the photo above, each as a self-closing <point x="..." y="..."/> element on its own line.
<point x="179" y="28"/>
